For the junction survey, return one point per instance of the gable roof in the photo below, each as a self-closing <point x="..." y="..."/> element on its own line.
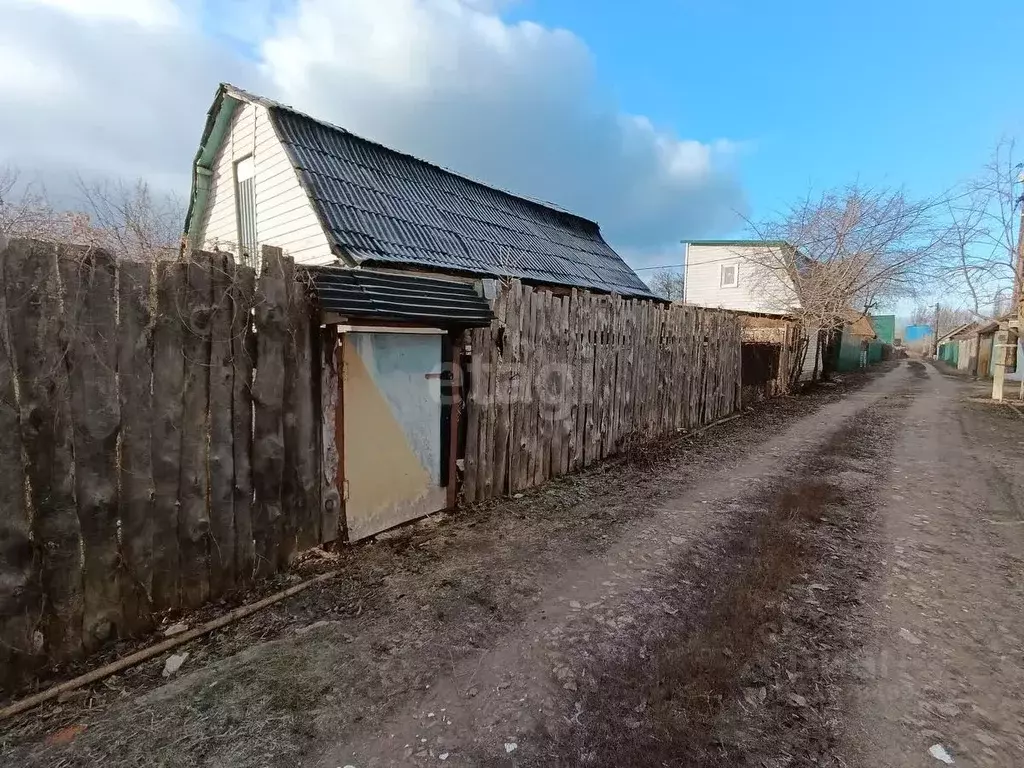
<point x="385" y="208"/>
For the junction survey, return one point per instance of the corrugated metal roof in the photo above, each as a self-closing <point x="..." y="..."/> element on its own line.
<point x="380" y="206"/>
<point x="361" y="293"/>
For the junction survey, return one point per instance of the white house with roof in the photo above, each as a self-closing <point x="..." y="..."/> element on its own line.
<point x="732" y="274"/>
<point x="398" y="250"/>
<point x="266" y="174"/>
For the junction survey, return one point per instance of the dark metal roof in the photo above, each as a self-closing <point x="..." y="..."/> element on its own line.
<point x="361" y="293"/>
<point x="379" y="206"/>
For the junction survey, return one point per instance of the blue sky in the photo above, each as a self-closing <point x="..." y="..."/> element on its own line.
<point x="887" y="91"/>
<point x="660" y="119"/>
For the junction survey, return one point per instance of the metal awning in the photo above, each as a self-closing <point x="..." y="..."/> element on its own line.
<point x="368" y="295"/>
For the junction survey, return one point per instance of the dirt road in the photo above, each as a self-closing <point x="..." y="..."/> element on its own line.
<point x="834" y="579"/>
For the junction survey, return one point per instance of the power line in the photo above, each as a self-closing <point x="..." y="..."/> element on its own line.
<point x="663" y="266"/>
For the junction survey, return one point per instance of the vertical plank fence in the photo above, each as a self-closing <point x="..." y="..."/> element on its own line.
<point x="160" y="440"/>
<point x="560" y="382"/>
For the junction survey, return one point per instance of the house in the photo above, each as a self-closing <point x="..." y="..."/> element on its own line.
<point x="739" y="275"/>
<point x="949" y="345"/>
<point x="402" y="256"/>
<point x="853" y="350"/>
<point x="266" y="174"/>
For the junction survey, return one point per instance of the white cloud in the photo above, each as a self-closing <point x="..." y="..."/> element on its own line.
<point x="150" y="13"/>
<point x="105" y="96"/>
<point x="123" y="88"/>
<point x="514" y="105"/>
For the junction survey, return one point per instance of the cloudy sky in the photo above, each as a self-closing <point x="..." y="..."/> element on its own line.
<point x="661" y="119"/>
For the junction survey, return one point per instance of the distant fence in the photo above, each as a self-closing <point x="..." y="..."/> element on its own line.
<point x="160" y="439"/>
<point x="560" y="382"/>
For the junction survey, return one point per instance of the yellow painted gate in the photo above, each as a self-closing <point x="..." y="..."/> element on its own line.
<point x="391" y="411"/>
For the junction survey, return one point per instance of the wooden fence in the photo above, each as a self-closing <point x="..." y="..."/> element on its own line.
<point x="559" y="382"/>
<point x="160" y="439"/>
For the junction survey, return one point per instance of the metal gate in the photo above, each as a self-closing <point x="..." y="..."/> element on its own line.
<point x="391" y="406"/>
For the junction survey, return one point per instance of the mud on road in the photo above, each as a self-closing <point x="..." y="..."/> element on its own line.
<point x="701" y="603"/>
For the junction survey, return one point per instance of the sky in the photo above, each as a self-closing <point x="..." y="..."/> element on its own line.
<point x="661" y="119"/>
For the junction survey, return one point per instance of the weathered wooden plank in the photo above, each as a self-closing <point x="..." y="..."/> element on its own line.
<point x="88" y="280"/>
<point x="221" y="440"/>
<point x="514" y="344"/>
<point x="565" y="375"/>
<point x="135" y="383"/>
<point x="168" y="381"/>
<point x="301" y="435"/>
<point x="527" y="389"/>
<point x="572" y="362"/>
<point x="20" y="601"/>
<point x="38" y="345"/>
<point x="555" y="377"/>
<point x="615" y="417"/>
<point x="330" y="498"/>
<point x="454" y="419"/>
<point x="484" y="487"/>
<point x="628" y="426"/>
<point x="537" y="392"/>
<point x="678" y="363"/>
<point x="243" y="356"/>
<point x="589" y="328"/>
<point x="642" y="367"/>
<point x="601" y="376"/>
<point x="474" y="406"/>
<point x="502" y="385"/>
<point x="612" y="404"/>
<point x="194" y="510"/>
<point x="268" y="461"/>
<point x="545" y="390"/>
<point x="664" y="367"/>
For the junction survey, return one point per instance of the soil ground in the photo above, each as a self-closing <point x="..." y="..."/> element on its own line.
<point x="834" y="579"/>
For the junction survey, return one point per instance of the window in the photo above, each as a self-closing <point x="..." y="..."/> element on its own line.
<point x="245" y="195"/>
<point x="730" y="275"/>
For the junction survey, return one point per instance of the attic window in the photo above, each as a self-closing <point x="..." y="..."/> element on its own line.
<point x="245" y="195"/>
<point x="730" y="275"/>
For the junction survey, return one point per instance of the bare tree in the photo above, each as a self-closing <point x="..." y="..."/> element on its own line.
<point x="24" y="209"/>
<point x="833" y="257"/>
<point x="667" y="284"/>
<point x="854" y="248"/>
<point x="128" y="220"/>
<point x="980" y="246"/>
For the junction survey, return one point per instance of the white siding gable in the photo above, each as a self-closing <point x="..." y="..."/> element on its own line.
<point x="284" y="215"/>
<point x="723" y="276"/>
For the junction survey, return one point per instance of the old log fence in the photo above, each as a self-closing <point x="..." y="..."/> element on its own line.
<point x="167" y="430"/>
<point x="559" y="382"/>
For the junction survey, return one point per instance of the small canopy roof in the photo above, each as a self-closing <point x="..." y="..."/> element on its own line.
<point x="370" y="295"/>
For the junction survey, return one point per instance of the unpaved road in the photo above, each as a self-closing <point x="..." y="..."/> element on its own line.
<point x="835" y="579"/>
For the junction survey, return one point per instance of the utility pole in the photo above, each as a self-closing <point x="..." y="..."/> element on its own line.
<point x="936" y="339"/>
<point x="1018" y="297"/>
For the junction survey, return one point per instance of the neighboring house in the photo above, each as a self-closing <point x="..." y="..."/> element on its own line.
<point x="401" y="255"/>
<point x="266" y="174"/>
<point x="949" y="347"/>
<point x="732" y="274"/>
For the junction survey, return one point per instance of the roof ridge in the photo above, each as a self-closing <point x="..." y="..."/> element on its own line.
<point x="273" y="104"/>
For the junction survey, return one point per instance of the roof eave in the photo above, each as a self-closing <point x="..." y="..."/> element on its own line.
<point x="218" y="118"/>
